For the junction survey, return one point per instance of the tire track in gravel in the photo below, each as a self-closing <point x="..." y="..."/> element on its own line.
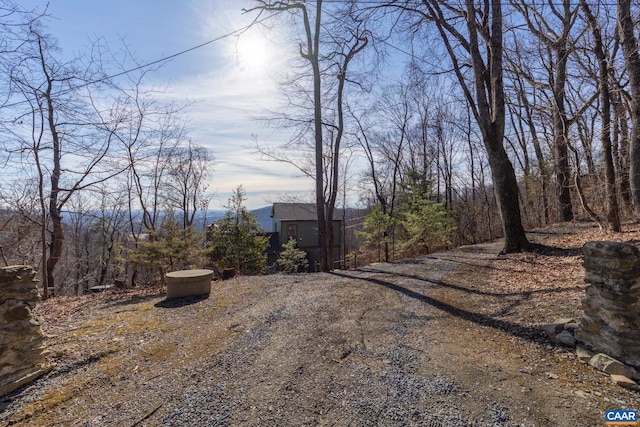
<point x="409" y="343"/>
<point x="337" y="350"/>
<point x="378" y="346"/>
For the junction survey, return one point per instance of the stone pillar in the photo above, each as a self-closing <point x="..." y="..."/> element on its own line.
<point x="22" y="350"/>
<point x="611" y="304"/>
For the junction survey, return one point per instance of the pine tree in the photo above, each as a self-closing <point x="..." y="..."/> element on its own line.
<point x="170" y="248"/>
<point x="374" y="233"/>
<point x="235" y="241"/>
<point x="292" y="259"/>
<point x="427" y="223"/>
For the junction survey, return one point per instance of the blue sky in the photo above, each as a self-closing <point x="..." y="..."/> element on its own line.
<point x="231" y="80"/>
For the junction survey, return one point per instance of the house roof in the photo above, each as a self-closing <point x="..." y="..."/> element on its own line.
<point x="298" y="212"/>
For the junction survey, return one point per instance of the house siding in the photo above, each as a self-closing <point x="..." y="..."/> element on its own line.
<point x="307" y="233"/>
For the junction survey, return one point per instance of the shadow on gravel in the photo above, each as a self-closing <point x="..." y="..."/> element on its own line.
<point x="532" y="334"/>
<point x="181" y="302"/>
<point x="633" y="242"/>
<point x="89" y="360"/>
<point x="524" y="294"/>
<point x="554" y="251"/>
<point x="56" y="372"/>
<point x="451" y="256"/>
<point x="133" y="300"/>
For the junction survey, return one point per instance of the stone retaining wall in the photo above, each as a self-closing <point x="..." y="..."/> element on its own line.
<point x="22" y="350"/>
<point x="611" y="320"/>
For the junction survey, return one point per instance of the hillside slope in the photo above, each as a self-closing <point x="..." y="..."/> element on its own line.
<point x="451" y="339"/>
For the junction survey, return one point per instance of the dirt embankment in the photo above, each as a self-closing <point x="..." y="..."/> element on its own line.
<point x="451" y="339"/>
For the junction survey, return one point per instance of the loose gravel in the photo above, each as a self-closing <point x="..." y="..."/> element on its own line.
<point x="413" y="343"/>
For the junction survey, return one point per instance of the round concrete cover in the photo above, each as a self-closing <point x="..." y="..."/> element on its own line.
<point x="185" y="283"/>
<point x="189" y="273"/>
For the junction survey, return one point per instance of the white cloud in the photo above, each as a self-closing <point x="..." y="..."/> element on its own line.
<point x="230" y="87"/>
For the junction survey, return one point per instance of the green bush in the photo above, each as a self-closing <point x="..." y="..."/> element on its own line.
<point x="292" y="259"/>
<point x="236" y="241"/>
<point x="169" y="248"/>
<point x="428" y="224"/>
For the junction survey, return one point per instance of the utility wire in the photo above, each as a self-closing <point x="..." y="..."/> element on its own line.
<point x="237" y="32"/>
<point x="157" y="61"/>
<point x="383" y="41"/>
<point x="418" y="2"/>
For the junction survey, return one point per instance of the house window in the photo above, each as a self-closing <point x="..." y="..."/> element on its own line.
<point x="292" y="231"/>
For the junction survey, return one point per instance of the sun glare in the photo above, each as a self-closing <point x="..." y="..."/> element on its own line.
<point x="253" y="52"/>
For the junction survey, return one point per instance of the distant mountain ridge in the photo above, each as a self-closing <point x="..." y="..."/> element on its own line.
<point x="263" y="216"/>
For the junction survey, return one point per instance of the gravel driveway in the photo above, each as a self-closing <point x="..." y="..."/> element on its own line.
<point x="435" y="341"/>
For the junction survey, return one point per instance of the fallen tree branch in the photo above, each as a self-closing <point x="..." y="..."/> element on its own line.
<point x="150" y="413"/>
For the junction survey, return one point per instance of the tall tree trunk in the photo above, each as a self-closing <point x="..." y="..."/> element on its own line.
<point x="560" y="136"/>
<point x="621" y="146"/>
<point x="57" y="234"/>
<point x="491" y="118"/>
<point x="558" y="45"/>
<point x="542" y="164"/>
<point x="613" y="217"/>
<point x="43" y="225"/>
<point x="313" y="52"/>
<point x="632" y="59"/>
<point x="326" y="171"/>
<point x="506" y="192"/>
<point x="488" y="104"/>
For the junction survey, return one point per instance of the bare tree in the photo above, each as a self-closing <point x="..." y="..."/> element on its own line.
<point x="108" y="231"/>
<point x="188" y="174"/>
<point x="629" y="42"/>
<point x="557" y="43"/>
<point x="15" y="25"/>
<point x="385" y="151"/>
<point x="20" y="222"/>
<point x="56" y="122"/>
<point x="328" y="120"/>
<point x="613" y="218"/>
<point x="527" y="113"/>
<point x="151" y="139"/>
<point x="620" y="139"/>
<point x="474" y="34"/>
<point x="68" y="129"/>
<point x="79" y="219"/>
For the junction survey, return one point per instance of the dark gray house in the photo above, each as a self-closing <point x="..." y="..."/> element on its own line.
<point x="300" y="221"/>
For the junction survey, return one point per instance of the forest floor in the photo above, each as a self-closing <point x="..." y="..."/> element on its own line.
<point x="449" y="339"/>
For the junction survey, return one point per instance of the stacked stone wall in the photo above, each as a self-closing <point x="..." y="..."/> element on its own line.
<point x="611" y="320"/>
<point x="22" y="349"/>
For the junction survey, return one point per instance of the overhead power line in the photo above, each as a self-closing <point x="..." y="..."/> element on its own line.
<point x="503" y="2"/>
<point x="157" y="61"/>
